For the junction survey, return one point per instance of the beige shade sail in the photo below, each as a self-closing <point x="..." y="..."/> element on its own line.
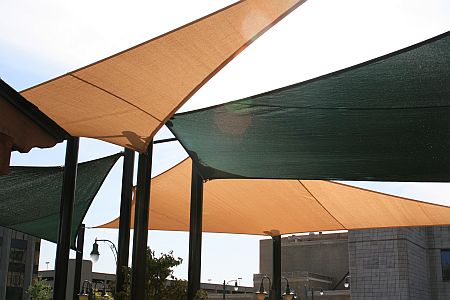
<point x="126" y="98"/>
<point x="272" y="207"/>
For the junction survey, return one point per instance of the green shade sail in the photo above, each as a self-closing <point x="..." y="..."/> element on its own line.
<point x="30" y="197"/>
<point x="387" y="119"/>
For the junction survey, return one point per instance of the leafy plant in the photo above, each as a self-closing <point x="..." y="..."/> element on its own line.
<point x="40" y="290"/>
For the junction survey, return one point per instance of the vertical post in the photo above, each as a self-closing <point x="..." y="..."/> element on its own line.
<point x="195" y="234"/>
<point x="78" y="262"/>
<point x="65" y="218"/>
<point x="124" y="219"/>
<point x="141" y="224"/>
<point x="276" y="242"/>
<point x="223" y="296"/>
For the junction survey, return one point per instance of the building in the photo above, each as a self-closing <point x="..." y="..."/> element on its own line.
<point x="19" y="261"/>
<point x="98" y="279"/>
<point x="215" y="291"/>
<point x="391" y="263"/>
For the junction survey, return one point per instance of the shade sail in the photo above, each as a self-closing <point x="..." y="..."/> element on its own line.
<point x="383" y="120"/>
<point x="126" y="98"/>
<point x="269" y="206"/>
<point x="30" y="197"/>
<point x="23" y="126"/>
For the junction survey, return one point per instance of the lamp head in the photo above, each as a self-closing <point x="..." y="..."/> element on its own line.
<point x="347" y="282"/>
<point x="321" y="292"/>
<point x="94" y="253"/>
<point x="236" y="287"/>
<point x="261" y="295"/>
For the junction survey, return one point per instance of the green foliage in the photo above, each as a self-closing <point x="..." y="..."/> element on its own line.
<point x="161" y="283"/>
<point x="40" y="290"/>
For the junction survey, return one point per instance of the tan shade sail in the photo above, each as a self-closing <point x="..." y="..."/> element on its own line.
<point x="268" y="206"/>
<point x="126" y="98"/>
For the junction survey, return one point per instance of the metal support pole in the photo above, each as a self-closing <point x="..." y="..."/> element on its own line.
<point x="124" y="219"/>
<point x="78" y="262"/>
<point x="195" y="234"/>
<point x="65" y="218"/>
<point x="141" y="224"/>
<point x="276" y="279"/>
<point x="224" y="286"/>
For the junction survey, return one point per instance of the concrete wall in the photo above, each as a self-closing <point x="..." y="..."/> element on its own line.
<point x="389" y="264"/>
<point x="438" y="238"/>
<point x="325" y="254"/>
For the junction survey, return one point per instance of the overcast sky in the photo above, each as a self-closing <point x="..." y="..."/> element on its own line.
<point x="43" y="39"/>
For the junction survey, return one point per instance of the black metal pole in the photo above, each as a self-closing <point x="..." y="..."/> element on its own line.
<point x="78" y="262"/>
<point x="276" y="279"/>
<point x="124" y="219"/>
<point x="195" y="234"/>
<point x="141" y="224"/>
<point x="223" y="297"/>
<point x="65" y="218"/>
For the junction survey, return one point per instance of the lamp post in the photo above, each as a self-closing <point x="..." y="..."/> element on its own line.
<point x="347" y="282"/>
<point x="262" y="294"/>
<point x="287" y="295"/>
<point x="86" y="291"/>
<point x="95" y="255"/>
<point x="236" y="288"/>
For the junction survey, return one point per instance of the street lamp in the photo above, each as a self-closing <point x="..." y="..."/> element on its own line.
<point x="95" y="254"/>
<point x="287" y="295"/>
<point x="321" y="292"/>
<point x="103" y="291"/>
<point x="236" y="288"/>
<point x="347" y="282"/>
<point x="86" y="291"/>
<point x="262" y="294"/>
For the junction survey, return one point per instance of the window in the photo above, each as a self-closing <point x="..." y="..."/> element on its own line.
<point x="445" y="262"/>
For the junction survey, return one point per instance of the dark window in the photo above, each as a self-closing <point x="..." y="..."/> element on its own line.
<point x="18" y="244"/>
<point x="445" y="262"/>
<point x="15" y="267"/>
<point x="47" y="278"/>
<point x="14" y="293"/>
<point x="16" y="255"/>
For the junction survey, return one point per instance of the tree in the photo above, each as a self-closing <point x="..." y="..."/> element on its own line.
<point x="40" y="290"/>
<point x="161" y="284"/>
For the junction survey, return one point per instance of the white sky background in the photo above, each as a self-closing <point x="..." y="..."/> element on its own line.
<point x="43" y="39"/>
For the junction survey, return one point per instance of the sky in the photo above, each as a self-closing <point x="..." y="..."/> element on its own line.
<point x="42" y="39"/>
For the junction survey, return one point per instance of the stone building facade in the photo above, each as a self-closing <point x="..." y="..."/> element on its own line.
<point x="399" y="263"/>
<point x="19" y="260"/>
<point x="391" y="263"/>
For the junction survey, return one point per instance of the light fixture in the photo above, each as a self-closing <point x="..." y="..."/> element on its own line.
<point x="262" y="294"/>
<point x="347" y="282"/>
<point x="236" y="286"/>
<point x="321" y="292"/>
<point x="287" y="295"/>
<point x="94" y="253"/>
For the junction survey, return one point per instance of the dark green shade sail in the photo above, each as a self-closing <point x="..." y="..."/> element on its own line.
<point x="30" y="197"/>
<point x="387" y="119"/>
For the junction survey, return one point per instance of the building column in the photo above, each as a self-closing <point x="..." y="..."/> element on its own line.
<point x="123" y="244"/>
<point x="195" y="233"/>
<point x="141" y="216"/>
<point x="65" y="219"/>
<point x="4" y="259"/>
